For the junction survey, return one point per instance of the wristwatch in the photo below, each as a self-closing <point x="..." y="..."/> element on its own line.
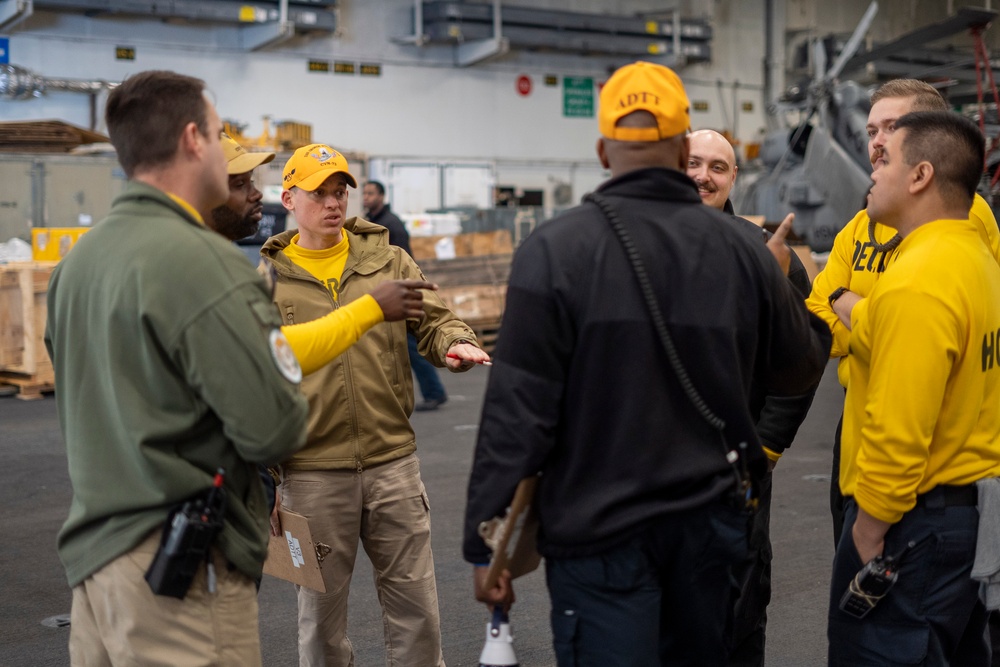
<point x="836" y="294"/>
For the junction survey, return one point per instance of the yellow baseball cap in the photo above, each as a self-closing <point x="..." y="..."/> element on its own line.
<point x="310" y="165"/>
<point x="644" y="86"/>
<point x="240" y="160"/>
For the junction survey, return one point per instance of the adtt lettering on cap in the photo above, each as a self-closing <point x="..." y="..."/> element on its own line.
<point x="644" y="86"/>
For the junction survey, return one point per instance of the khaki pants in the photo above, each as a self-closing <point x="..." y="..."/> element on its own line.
<point x="386" y="507"/>
<point x="117" y="620"/>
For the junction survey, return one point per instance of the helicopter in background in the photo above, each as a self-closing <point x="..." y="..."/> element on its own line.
<point x="819" y="168"/>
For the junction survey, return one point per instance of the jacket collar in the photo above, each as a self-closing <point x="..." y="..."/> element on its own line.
<point x="728" y="207"/>
<point x="138" y="192"/>
<point x="657" y="183"/>
<point x="366" y="241"/>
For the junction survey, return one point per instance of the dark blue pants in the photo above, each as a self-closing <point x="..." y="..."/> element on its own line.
<point x="427" y="376"/>
<point x="931" y="616"/>
<point x="663" y="597"/>
<point x="754" y="578"/>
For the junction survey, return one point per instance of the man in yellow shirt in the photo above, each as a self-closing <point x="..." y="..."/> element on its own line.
<point x="864" y="247"/>
<point x="358" y="477"/>
<point x="922" y="416"/>
<point x="318" y="342"/>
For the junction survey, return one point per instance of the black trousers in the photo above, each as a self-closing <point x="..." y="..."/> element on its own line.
<point x="932" y="615"/>
<point x="666" y="592"/>
<point x="753" y="576"/>
<point x="837" y="513"/>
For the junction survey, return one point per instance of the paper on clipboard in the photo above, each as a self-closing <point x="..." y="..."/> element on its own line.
<point x="513" y="537"/>
<point x="292" y="555"/>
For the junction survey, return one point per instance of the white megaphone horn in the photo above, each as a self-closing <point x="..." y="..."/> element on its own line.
<point x="499" y="648"/>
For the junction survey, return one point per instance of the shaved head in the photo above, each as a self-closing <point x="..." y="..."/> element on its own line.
<point x="712" y="166"/>
<point x="622" y="157"/>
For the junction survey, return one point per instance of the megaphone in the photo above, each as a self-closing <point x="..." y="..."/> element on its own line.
<point x="499" y="648"/>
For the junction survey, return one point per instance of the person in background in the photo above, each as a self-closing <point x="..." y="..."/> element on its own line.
<point x="358" y="477"/>
<point x="642" y="496"/>
<point x="170" y="363"/>
<point x="712" y="166"/>
<point x="377" y="210"/>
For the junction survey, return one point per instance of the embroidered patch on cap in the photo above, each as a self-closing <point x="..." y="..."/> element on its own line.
<point x="284" y="358"/>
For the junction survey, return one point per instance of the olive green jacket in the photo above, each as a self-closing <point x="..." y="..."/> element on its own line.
<point x="360" y="403"/>
<point x="161" y="334"/>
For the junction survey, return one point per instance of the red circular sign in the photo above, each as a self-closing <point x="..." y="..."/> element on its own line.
<point x="524" y="85"/>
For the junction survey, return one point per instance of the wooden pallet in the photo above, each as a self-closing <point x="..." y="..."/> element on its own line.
<point x="30" y="387"/>
<point x="486" y="333"/>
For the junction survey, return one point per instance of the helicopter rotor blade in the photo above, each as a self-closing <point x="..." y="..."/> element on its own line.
<point x="854" y="42"/>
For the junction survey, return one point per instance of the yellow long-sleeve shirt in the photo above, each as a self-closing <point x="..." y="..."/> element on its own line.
<point x="923" y="403"/>
<point x="854" y="264"/>
<point x="318" y="342"/>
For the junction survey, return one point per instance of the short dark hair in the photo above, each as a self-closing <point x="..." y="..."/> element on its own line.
<point x="378" y="186"/>
<point x="147" y="113"/>
<point x="950" y="142"/>
<point x="925" y="96"/>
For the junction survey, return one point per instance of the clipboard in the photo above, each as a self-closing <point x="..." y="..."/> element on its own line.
<point x="292" y="555"/>
<point x="513" y="538"/>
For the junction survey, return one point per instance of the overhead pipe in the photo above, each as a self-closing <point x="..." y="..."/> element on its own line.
<point x="18" y="83"/>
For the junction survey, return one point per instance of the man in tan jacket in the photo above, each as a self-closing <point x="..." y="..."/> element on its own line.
<point x="358" y="475"/>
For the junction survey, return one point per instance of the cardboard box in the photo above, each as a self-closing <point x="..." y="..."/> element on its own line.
<point x="52" y="243"/>
<point x="475" y="303"/>
<point x="462" y="245"/>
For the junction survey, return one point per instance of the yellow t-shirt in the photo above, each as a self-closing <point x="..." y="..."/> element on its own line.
<point x="317" y="343"/>
<point x="923" y="404"/>
<point x="854" y="264"/>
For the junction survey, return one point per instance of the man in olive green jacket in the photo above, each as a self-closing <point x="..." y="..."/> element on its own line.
<point x="169" y="363"/>
<point x="358" y="476"/>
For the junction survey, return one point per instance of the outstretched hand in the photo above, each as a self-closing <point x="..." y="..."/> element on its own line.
<point x="401" y="299"/>
<point x="776" y="244"/>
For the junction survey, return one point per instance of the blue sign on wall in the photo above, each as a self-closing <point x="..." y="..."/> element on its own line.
<point x="4" y="50"/>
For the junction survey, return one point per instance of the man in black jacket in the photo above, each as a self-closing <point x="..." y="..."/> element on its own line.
<point x="712" y="166"/>
<point x="641" y="499"/>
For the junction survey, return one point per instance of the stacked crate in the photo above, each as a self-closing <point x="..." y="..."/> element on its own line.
<point x="474" y="282"/>
<point x="24" y="361"/>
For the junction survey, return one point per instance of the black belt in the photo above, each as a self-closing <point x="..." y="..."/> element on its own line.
<point x="949" y="496"/>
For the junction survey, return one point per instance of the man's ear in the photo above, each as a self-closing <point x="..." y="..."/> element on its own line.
<point x="921" y="177"/>
<point x="286" y="200"/>
<point x="735" y="169"/>
<point x="190" y="141"/>
<point x="684" y="154"/>
<point x="602" y="153"/>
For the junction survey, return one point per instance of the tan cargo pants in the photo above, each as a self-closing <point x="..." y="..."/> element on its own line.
<point x="387" y="508"/>
<point x="117" y="620"/>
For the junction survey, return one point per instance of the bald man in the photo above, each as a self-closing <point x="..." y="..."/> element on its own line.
<point x="712" y="166"/>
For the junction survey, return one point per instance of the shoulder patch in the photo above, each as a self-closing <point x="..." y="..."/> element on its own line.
<point x="284" y="358"/>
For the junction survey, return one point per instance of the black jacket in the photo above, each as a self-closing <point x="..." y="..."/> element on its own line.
<point x="398" y="236"/>
<point x="778" y="417"/>
<point x="581" y="389"/>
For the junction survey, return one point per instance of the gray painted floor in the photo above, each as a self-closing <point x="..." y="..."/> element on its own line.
<point x="34" y="495"/>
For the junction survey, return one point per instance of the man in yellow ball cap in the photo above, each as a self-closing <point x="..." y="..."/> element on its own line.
<point x="358" y="477"/>
<point x="641" y="431"/>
